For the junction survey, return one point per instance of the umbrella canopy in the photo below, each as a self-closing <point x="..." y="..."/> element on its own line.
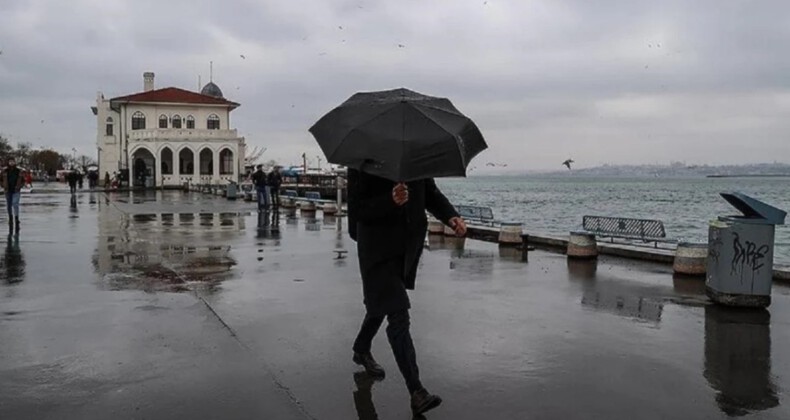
<point x="399" y="134"/>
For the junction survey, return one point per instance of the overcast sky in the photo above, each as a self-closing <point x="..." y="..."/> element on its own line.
<point x="600" y="81"/>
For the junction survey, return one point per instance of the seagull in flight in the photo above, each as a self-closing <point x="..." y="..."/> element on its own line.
<point x="568" y="163"/>
<point x="242" y="56"/>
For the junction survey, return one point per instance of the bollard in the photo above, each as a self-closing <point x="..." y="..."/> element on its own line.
<point x="510" y="234"/>
<point x="435" y="227"/>
<point x="329" y="209"/>
<point x="307" y="207"/>
<point x="691" y="259"/>
<point x="582" y="245"/>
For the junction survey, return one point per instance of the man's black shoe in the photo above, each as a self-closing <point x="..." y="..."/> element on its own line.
<point x="369" y="363"/>
<point x="423" y="401"/>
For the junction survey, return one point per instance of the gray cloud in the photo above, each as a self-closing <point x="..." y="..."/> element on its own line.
<point x="605" y="81"/>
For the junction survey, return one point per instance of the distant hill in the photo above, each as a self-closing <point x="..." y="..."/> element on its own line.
<point x="678" y="169"/>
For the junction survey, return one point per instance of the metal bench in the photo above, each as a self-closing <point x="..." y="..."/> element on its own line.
<point x="477" y="215"/>
<point x="644" y="230"/>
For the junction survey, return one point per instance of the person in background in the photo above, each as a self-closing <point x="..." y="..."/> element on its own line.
<point x="274" y="181"/>
<point x="80" y="177"/>
<point x="72" y="178"/>
<point x="12" y="182"/>
<point x="93" y="179"/>
<point x="387" y="220"/>
<point x="107" y="180"/>
<point x="259" y="179"/>
<point x="28" y="179"/>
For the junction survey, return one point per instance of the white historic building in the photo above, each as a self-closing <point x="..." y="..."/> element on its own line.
<point x="170" y="136"/>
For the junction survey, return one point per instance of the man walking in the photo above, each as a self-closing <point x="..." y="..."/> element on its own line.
<point x="72" y="177"/>
<point x="12" y="185"/>
<point x="259" y="180"/>
<point x="274" y="181"/>
<point x="387" y="220"/>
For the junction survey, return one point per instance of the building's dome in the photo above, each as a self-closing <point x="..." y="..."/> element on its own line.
<point x="212" y="89"/>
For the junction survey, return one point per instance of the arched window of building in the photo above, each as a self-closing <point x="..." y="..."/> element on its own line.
<point x="163" y="121"/>
<point x="213" y="122"/>
<point x="190" y="122"/>
<point x="206" y="162"/>
<point x="186" y="162"/>
<point x="138" y="121"/>
<point x="108" y="127"/>
<point x="226" y="162"/>
<point x="176" y="121"/>
<point x="167" y="161"/>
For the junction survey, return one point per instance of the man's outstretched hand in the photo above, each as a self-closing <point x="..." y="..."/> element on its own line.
<point x="459" y="226"/>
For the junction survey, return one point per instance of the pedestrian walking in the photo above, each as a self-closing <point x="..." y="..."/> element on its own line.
<point x="12" y="182"/>
<point x="274" y="180"/>
<point x="106" y="180"/>
<point x="28" y="179"/>
<point x="72" y="178"/>
<point x="394" y="144"/>
<point x="80" y="177"/>
<point x="259" y="178"/>
<point x="387" y="220"/>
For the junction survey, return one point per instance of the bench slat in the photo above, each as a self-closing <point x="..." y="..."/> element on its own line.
<point x="625" y="227"/>
<point x="475" y="212"/>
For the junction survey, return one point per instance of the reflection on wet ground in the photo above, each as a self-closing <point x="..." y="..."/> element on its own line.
<point x="13" y="261"/>
<point x="160" y="252"/>
<point x="738" y="359"/>
<point x="496" y="337"/>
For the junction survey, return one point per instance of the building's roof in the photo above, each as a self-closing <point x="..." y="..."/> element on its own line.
<point x="211" y="89"/>
<point x="176" y="96"/>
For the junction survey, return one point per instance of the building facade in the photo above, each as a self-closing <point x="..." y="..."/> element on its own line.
<point x="168" y="137"/>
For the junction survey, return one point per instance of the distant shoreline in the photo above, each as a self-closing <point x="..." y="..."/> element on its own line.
<point x="750" y="176"/>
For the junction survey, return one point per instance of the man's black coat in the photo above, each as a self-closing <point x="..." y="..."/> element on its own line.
<point x="390" y="238"/>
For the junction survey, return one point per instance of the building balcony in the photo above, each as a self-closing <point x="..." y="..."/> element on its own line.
<point x="152" y="134"/>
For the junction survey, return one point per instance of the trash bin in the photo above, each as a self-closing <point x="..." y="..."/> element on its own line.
<point x="231" y="191"/>
<point x="741" y="253"/>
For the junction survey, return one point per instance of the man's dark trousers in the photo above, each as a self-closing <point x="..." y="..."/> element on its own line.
<point x="400" y="341"/>
<point x="275" y="191"/>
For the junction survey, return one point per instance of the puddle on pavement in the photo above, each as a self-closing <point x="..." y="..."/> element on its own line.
<point x="130" y="257"/>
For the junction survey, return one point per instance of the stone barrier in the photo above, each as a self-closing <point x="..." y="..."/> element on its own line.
<point x="329" y="208"/>
<point x="510" y="234"/>
<point x="435" y="227"/>
<point x="691" y="259"/>
<point x="582" y="245"/>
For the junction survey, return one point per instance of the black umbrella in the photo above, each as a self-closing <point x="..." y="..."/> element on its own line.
<point x="400" y="135"/>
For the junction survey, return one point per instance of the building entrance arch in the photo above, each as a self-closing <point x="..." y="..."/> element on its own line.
<point x="143" y="168"/>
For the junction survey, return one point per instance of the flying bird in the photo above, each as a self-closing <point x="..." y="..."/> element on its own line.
<point x="340" y="27"/>
<point x="242" y="56"/>
<point x="401" y="46"/>
<point x="568" y="163"/>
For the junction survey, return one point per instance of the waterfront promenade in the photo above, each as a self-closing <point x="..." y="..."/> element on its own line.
<point x="173" y="305"/>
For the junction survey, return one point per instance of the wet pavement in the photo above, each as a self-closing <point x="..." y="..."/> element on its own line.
<point x="172" y="305"/>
